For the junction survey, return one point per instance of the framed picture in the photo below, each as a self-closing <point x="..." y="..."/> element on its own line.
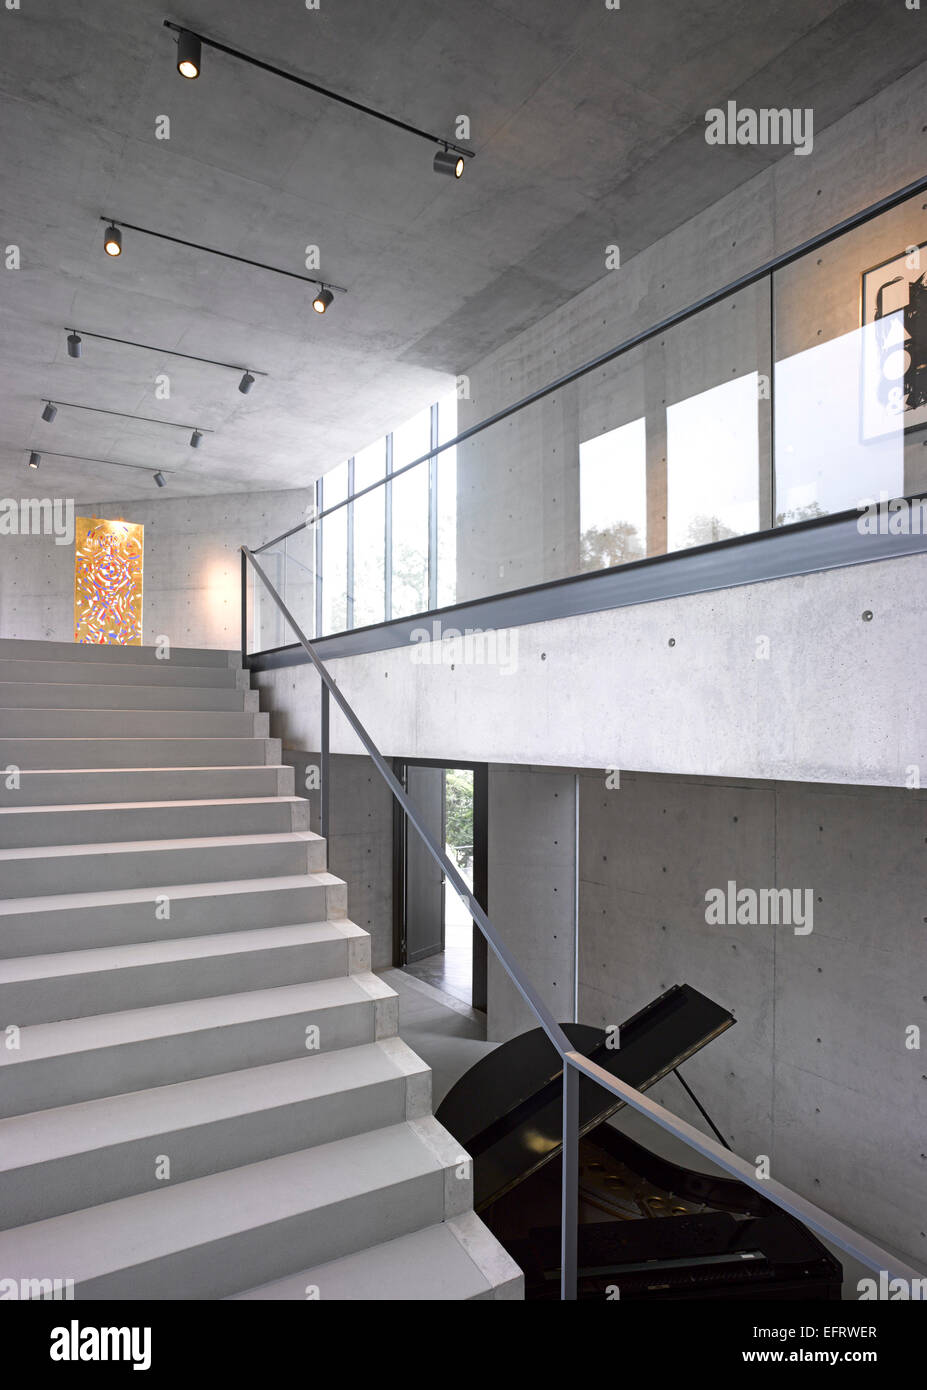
<point x="893" y="319"/>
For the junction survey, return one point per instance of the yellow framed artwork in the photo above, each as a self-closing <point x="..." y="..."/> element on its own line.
<point x="108" y="558"/>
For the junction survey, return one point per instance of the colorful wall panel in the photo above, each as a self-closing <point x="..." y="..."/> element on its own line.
<point x="108" y="559"/>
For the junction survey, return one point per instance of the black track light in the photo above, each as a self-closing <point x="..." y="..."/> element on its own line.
<point x="112" y="240"/>
<point x="34" y="460"/>
<point x="189" y="54"/>
<point x="74" y="342"/>
<point x="322" y="300"/>
<point x="160" y="479"/>
<point x="448" y="162"/>
<point x="246" y="383"/>
<point x="49" y="413"/>
<point x="196" y="439"/>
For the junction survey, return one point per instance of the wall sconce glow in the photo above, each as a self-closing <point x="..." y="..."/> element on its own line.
<point x="112" y="241"/>
<point x="34" y="460"/>
<point x="322" y="300"/>
<point x="447" y="162"/>
<point x="189" y="55"/>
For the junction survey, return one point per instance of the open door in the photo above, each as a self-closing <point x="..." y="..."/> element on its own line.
<point x="434" y="935"/>
<point x="424" y="881"/>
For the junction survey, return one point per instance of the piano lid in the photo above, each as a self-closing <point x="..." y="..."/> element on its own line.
<point x="506" y="1110"/>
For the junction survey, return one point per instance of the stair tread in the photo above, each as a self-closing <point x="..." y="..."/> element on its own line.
<point x="115" y="897"/>
<point x="47" y="1135"/>
<point x="155" y="846"/>
<point x="95" y="959"/>
<point x="74" y="1035"/>
<point x="135" y="1230"/>
<point x="149" y="805"/>
<point x="427" y="1265"/>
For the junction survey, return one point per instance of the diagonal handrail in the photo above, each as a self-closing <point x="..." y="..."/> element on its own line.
<point x="575" y="1064"/>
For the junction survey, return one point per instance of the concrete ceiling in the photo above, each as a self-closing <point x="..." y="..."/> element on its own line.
<point x="589" y="128"/>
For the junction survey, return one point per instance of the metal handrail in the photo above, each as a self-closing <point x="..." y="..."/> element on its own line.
<point x="574" y="1063"/>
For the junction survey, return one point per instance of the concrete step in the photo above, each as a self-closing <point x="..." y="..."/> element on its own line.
<point x="22" y="649"/>
<point x="84" y="1059"/>
<point x="81" y="921"/>
<point x="457" y="1260"/>
<point x="69" y="787"/>
<point x="49" y="870"/>
<point x="209" y="1237"/>
<point x="90" y="695"/>
<point x="104" y="823"/>
<point x="61" y="753"/>
<point x="131" y="723"/>
<point x="74" y="1156"/>
<point x="106" y="979"/>
<point x="40" y="669"/>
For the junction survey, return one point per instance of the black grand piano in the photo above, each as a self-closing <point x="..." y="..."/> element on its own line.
<point x="649" y="1228"/>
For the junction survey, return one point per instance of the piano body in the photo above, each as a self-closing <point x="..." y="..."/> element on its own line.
<point x="648" y="1227"/>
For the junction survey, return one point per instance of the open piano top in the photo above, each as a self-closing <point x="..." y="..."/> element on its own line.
<point x="649" y="1228"/>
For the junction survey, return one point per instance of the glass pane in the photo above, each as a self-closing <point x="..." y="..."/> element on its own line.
<point x="370" y="558"/>
<point x="369" y="464"/>
<point x="413" y="439"/>
<point x="447" y="503"/>
<point x="410" y="542"/>
<point x="613" y="497"/>
<point x="268" y="627"/>
<point x="335" y="485"/>
<point x="300" y="573"/>
<point x="712" y="444"/>
<point x="851" y="369"/>
<point x="334" y="570"/>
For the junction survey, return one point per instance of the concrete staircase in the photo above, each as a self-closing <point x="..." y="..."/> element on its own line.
<point x="202" y="1092"/>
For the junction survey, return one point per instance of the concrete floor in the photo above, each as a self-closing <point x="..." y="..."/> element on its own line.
<point x="445" y="1033"/>
<point x="451" y="970"/>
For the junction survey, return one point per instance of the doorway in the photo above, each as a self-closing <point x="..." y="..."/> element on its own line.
<point x="434" y="936"/>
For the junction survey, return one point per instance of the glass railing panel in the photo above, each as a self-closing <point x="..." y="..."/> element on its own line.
<point x="851" y="368"/>
<point x="266" y="626"/>
<point x="801" y="395"/>
<point x="715" y="410"/>
<point x="301" y="576"/>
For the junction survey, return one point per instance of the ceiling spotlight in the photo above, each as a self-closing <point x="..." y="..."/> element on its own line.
<point x="160" y="479"/>
<point x="34" y="460"/>
<point x="189" y="54"/>
<point x="196" y="439"/>
<point x="246" y="383"/>
<point x="112" y="241"/>
<point x="49" y="413"/>
<point x="74" y="342"/>
<point x="322" y="300"/>
<point x="447" y="162"/>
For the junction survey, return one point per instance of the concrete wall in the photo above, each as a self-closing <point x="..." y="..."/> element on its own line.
<point x="816" y="1073"/>
<point x="836" y="700"/>
<point x="518" y="509"/>
<point x="360" y="842"/>
<point x="532" y="882"/>
<point x="192" y="576"/>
